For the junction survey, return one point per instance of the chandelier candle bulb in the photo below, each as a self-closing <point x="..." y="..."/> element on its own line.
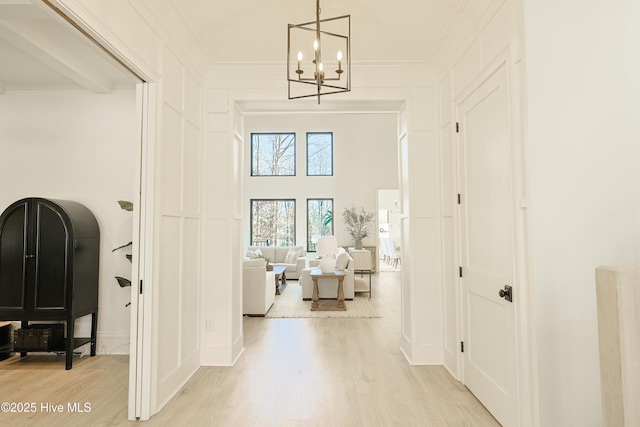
<point x="331" y="33"/>
<point x="320" y="72"/>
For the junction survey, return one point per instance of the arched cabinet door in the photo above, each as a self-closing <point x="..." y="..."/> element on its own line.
<point x="50" y="257"/>
<point x="13" y="256"/>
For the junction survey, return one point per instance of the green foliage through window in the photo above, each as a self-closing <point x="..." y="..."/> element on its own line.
<point x="319" y="221"/>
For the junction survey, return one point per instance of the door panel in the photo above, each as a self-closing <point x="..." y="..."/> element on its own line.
<point x="51" y="259"/>
<point x="487" y="244"/>
<point x="12" y="259"/>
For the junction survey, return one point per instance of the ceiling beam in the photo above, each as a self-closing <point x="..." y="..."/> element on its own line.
<point x="33" y="40"/>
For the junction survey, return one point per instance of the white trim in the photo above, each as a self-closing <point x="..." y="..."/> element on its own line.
<point x="140" y="373"/>
<point x="78" y="13"/>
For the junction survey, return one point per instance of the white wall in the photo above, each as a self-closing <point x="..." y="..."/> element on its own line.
<point x="365" y="160"/>
<point x="148" y="37"/>
<point x="222" y="157"/>
<point x="488" y="33"/>
<point x="583" y="81"/>
<point x="78" y="146"/>
<point x="420" y="217"/>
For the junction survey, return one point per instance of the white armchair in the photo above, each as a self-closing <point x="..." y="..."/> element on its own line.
<point x="328" y="288"/>
<point x="258" y="287"/>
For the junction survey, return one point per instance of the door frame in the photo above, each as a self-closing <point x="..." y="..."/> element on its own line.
<point x="526" y="362"/>
<point x="141" y="332"/>
<point x="141" y="392"/>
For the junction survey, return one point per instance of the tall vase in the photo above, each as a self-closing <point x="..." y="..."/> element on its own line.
<point x="358" y="244"/>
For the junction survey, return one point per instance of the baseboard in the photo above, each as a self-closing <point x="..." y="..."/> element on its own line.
<point x="109" y="343"/>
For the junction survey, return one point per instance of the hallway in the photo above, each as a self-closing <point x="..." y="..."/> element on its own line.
<point x="293" y="372"/>
<point x="326" y="372"/>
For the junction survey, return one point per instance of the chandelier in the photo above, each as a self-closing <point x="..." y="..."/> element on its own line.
<point x="308" y="73"/>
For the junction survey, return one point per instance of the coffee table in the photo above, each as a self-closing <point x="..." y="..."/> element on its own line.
<point x="279" y="271"/>
<point x="339" y="275"/>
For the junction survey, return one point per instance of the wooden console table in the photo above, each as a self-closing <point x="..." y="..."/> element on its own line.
<point x="316" y="274"/>
<point x="279" y="271"/>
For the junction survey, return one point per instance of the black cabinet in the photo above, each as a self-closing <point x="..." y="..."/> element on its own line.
<point x="49" y="257"/>
<point x="5" y="340"/>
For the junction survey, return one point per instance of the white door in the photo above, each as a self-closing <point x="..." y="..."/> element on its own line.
<point x="487" y="247"/>
<point x="140" y="348"/>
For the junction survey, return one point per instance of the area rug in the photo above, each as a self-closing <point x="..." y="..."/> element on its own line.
<point x="289" y="304"/>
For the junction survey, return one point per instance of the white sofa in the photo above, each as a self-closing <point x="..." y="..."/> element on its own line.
<point x="258" y="287"/>
<point x="328" y="288"/>
<point x="278" y="256"/>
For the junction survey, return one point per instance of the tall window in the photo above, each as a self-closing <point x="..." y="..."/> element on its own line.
<point x="320" y="153"/>
<point x="273" y="222"/>
<point x="319" y="221"/>
<point x="273" y="154"/>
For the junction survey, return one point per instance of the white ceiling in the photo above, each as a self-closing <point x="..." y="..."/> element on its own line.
<point x="39" y="50"/>
<point x="256" y="30"/>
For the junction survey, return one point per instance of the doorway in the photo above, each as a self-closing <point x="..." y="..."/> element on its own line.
<point x="72" y="135"/>
<point x="389" y="246"/>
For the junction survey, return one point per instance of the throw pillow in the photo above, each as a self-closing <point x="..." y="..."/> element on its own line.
<point x="254" y="254"/>
<point x="292" y="255"/>
<point x="342" y="261"/>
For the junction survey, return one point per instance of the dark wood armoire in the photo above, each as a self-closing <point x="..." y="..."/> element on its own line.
<point x="49" y="258"/>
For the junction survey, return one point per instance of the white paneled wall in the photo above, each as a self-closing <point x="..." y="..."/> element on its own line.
<point x="147" y="36"/>
<point x="177" y="235"/>
<point x="487" y="34"/>
<point x="236" y="229"/>
<point x="420" y="194"/>
<point x="222" y="304"/>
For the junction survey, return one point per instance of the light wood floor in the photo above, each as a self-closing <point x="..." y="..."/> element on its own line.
<point x="293" y="372"/>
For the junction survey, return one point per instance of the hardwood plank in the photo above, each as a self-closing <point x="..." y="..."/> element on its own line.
<point x="293" y="372"/>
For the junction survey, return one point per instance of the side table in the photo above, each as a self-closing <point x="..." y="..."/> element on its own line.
<point x="316" y="274"/>
<point x="362" y="262"/>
